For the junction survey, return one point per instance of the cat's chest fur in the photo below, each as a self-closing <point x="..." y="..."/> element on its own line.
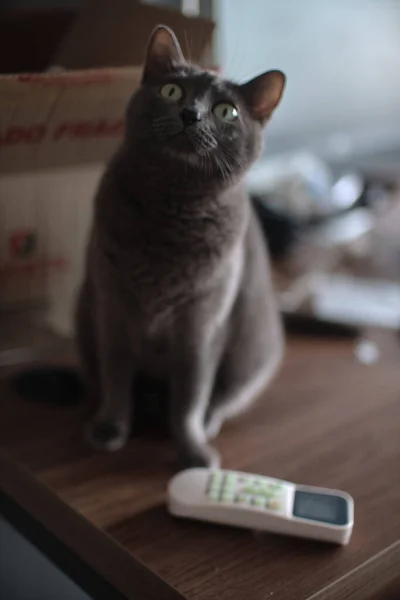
<point x="159" y="253"/>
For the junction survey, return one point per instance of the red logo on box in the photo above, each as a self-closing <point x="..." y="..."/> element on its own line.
<point x="22" y="245"/>
<point x="25" y="259"/>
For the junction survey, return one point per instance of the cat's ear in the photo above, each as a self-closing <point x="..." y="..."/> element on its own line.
<point x="262" y="94"/>
<point x="163" y="53"/>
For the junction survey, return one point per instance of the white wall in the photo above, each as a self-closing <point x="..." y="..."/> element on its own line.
<point x="341" y="57"/>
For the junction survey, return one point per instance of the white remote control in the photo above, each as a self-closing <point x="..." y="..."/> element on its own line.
<point x="257" y="502"/>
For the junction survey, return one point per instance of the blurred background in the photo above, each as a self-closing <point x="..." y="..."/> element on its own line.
<point x="325" y="186"/>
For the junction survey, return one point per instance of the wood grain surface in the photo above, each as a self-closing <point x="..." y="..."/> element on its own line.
<point x="120" y="573"/>
<point x="327" y="420"/>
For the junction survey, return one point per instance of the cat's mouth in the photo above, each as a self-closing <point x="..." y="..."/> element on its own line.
<point x="192" y="141"/>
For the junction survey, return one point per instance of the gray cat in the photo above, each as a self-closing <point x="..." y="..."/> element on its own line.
<point x="177" y="281"/>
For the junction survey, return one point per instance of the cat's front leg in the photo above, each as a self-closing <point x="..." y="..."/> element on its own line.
<point x="193" y="368"/>
<point x="111" y="426"/>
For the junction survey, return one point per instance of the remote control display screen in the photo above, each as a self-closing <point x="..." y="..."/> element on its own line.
<point x="325" y="508"/>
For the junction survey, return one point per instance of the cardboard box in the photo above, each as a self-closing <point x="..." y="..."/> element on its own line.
<point x="57" y="131"/>
<point x="115" y="34"/>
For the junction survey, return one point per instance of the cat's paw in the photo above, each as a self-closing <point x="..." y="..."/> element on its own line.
<point x="205" y="457"/>
<point x="106" y="436"/>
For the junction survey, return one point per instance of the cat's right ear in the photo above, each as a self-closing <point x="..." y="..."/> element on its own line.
<point x="263" y="93"/>
<point x="163" y="54"/>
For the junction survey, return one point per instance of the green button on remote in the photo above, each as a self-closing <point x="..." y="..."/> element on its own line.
<point x="243" y="499"/>
<point x="228" y="497"/>
<point x="213" y="495"/>
<point x="260" y="502"/>
<point x="229" y="488"/>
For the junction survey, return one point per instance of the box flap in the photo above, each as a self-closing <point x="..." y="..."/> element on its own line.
<point x="116" y="34"/>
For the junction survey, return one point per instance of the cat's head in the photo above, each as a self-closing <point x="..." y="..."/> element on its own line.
<point x="193" y="116"/>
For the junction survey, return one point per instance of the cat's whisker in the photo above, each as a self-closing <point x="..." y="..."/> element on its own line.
<point x="162" y="118"/>
<point x="189" y="50"/>
<point x="232" y="157"/>
<point x="222" y="168"/>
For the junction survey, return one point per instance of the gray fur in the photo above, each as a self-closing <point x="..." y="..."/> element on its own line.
<point x="177" y="281"/>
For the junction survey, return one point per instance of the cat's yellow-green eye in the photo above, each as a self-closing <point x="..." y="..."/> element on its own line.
<point x="172" y="92"/>
<point x="225" y="111"/>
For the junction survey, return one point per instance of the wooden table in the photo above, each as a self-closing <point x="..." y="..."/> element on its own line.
<point x="327" y="420"/>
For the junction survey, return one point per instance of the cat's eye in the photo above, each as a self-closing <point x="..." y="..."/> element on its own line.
<point x="225" y="112"/>
<point x="172" y="92"/>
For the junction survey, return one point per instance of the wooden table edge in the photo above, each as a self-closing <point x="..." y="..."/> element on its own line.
<point x="369" y="578"/>
<point x="110" y="560"/>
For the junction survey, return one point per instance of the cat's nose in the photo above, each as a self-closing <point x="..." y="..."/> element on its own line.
<point x="189" y="115"/>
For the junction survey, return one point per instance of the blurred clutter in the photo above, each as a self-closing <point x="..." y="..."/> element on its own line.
<point x="338" y="252"/>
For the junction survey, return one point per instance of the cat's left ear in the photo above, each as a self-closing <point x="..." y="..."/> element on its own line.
<point x="263" y="93"/>
<point x="163" y="53"/>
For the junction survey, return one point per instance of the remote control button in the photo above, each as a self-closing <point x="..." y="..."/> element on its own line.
<point x="244" y="499"/>
<point x="228" y="497"/>
<point x="250" y="489"/>
<point x="214" y="485"/>
<point x="274" y="505"/>
<point x="274" y="489"/>
<point x="229" y="489"/>
<point x="258" y="491"/>
<point x="213" y="495"/>
<point x="260" y="501"/>
<point x="260" y="483"/>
